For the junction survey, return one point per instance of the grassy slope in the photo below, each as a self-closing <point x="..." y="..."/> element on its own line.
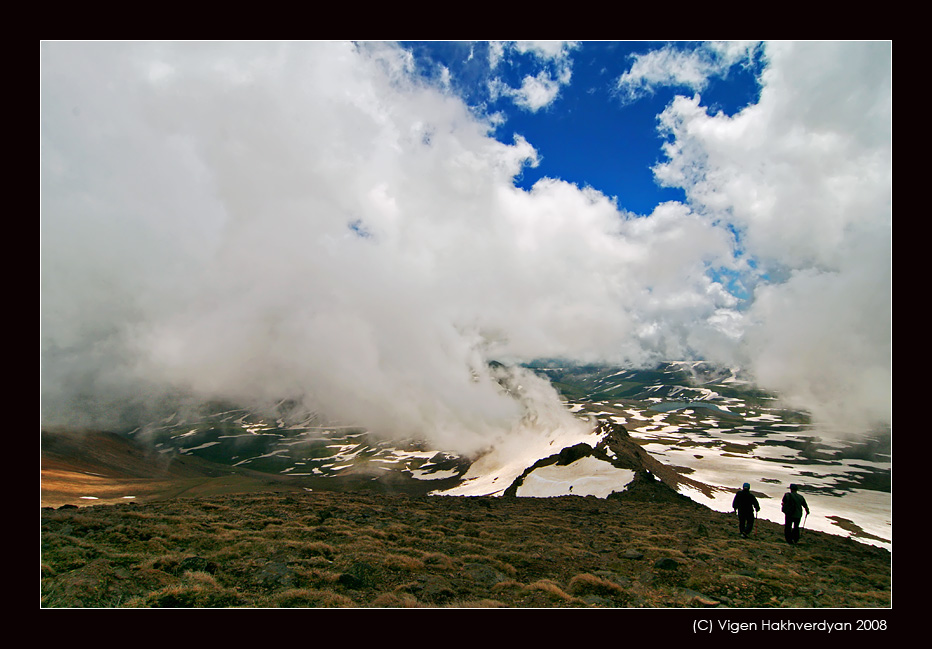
<point x="352" y="549"/>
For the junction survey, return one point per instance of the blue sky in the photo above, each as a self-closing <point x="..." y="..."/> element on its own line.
<point x="362" y="226"/>
<point x="591" y="133"/>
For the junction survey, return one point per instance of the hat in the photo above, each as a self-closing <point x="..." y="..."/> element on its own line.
<point x="794" y="487"/>
<point x="747" y="485"/>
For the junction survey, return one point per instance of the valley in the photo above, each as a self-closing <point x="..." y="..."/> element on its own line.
<point x="709" y="430"/>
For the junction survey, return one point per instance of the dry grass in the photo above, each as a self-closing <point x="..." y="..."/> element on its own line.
<point x="552" y="590"/>
<point x="339" y="550"/>
<point x="396" y="600"/>
<point x="309" y="598"/>
<point x="402" y="562"/>
<point x="587" y="584"/>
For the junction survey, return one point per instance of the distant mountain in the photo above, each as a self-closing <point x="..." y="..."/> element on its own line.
<point x="93" y="467"/>
<point x="692" y="380"/>
<point x="680" y="423"/>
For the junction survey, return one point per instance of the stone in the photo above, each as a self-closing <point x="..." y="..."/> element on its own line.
<point x="666" y="563"/>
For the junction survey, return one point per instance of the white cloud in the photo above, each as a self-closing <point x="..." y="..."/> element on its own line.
<point x="805" y="175"/>
<point x="674" y="66"/>
<point x="536" y="91"/>
<point x="549" y="51"/>
<point x="554" y="50"/>
<point x="255" y="221"/>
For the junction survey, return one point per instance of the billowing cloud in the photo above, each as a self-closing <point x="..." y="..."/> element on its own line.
<point x="313" y="221"/>
<point x="805" y="178"/>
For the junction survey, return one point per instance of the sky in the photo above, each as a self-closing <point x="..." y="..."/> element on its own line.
<point x="361" y="227"/>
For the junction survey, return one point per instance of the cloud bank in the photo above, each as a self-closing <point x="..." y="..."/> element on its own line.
<point x="313" y="221"/>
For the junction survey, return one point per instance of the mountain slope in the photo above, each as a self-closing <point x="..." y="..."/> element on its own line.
<point x="96" y="467"/>
<point x="700" y="430"/>
<point x="645" y="547"/>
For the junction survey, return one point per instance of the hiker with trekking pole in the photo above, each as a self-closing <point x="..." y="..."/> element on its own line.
<point x="793" y="505"/>
<point x="745" y="503"/>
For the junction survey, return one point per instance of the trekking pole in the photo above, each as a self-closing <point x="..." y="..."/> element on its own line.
<point x="804" y="519"/>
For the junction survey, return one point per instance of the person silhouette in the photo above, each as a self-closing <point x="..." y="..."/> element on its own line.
<point x="793" y="505"/>
<point x="745" y="503"/>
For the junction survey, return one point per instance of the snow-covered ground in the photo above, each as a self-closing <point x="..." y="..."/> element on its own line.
<point x="587" y="476"/>
<point x="728" y="457"/>
<point x="494" y="472"/>
<point x="709" y="451"/>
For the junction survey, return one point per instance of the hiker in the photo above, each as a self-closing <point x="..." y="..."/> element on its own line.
<point x="745" y="503"/>
<point x="793" y="505"/>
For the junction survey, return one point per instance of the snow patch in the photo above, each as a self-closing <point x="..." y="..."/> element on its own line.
<point x="495" y="471"/>
<point x="588" y="476"/>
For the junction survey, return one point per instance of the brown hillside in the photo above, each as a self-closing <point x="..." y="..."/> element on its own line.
<point x="113" y="468"/>
<point x="648" y="547"/>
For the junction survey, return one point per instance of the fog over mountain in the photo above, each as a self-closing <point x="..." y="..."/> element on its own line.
<point x="316" y="221"/>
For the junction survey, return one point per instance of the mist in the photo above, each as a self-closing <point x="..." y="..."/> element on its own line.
<point x="314" y="221"/>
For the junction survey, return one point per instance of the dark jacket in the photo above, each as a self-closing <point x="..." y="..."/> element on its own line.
<point x="793" y="504"/>
<point x="745" y="501"/>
